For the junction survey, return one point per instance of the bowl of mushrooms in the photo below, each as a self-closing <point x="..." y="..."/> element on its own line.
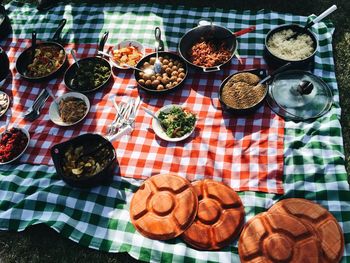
<point x="85" y="161"/>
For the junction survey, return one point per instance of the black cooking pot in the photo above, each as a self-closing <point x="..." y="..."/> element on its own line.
<point x="243" y="111"/>
<point x="274" y="61"/>
<point x="5" y="64"/>
<point x="98" y="59"/>
<point x="5" y="24"/>
<point x="210" y="32"/>
<point x="88" y="141"/>
<point x="26" y="57"/>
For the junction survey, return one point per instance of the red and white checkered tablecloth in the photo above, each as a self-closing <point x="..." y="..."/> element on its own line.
<point x="244" y="152"/>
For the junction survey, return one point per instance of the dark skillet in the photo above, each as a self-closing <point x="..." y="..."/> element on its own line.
<point x="161" y="54"/>
<point x="26" y="57"/>
<point x="210" y="32"/>
<point x="98" y="59"/>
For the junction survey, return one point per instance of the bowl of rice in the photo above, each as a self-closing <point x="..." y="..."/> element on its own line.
<point x="280" y="48"/>
<point x="241" y="93"/>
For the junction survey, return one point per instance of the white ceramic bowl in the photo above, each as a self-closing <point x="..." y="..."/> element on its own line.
<point x="24" y="149"/>
<point x="159" y="130"/>
<point x="127" y="43"/>
<point x="54" y="113"/>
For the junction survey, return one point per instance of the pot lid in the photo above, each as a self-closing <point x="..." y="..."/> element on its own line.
<point x="299" y="95"/>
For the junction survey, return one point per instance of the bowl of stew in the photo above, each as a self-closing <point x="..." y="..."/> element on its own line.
<point x="69" y="109"/>
<point x="85" y="161"/>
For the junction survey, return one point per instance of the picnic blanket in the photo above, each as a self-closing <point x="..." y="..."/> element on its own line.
<point x="99" y="218"/>
<point x="244" y="152"/>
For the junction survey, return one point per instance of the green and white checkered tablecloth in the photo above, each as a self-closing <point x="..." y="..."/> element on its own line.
<point x="99" y="218"/>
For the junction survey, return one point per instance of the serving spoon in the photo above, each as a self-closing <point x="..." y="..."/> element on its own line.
<point x="74" y="55"/>
<point x="157" y="63"/>
<point x="33" y="47"/>
<point x="154" y="116"/>
<point x="311" y="23"/>
<point x="279" y="70"/>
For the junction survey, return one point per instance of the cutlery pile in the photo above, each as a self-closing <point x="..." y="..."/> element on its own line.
<point x="125" y="118"/>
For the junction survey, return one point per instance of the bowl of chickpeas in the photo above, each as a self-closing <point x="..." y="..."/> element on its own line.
<point x="172" y="76"/>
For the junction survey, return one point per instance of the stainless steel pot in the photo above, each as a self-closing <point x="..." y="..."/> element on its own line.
<point x="208" y="31"/>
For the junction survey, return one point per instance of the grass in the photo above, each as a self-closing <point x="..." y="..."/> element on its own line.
<point x="41" y="244"/>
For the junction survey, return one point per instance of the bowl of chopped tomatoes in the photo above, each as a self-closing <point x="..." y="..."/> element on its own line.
<point x="127" y="53"/>
<point x="13" y="143"/>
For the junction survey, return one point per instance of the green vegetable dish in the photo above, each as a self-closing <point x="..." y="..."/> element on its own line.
<point x="177" y="121"/>
<point x="90" y="75"/>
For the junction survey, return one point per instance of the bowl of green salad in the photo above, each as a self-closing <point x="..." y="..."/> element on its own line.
<point x="174" y="123"/>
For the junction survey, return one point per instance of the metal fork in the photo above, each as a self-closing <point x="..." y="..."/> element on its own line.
<point x="37" y="106"/>
<point x="122" y="112"/>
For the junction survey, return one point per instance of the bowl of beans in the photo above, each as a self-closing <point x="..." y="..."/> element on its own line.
<point x="241" y="93"/>
<point x="281" y="47"/>
<point x="172" y="76"/>
<point x="13" y="143"/>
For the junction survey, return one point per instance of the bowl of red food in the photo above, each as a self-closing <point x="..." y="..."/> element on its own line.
<point x="208" y="46"/>
<point x="13" y="143"/>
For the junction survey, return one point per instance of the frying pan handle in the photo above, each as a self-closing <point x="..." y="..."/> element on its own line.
<point x="33" y="47"/>
<point x="244" y="31"/>
<point x="103" y="41"/>
<point x="56" y="36"/>
<point x="277" y="71"/>
<point x="2" y="8"/>
<point x="324" y="14"/>
<point x="213" y="69"/>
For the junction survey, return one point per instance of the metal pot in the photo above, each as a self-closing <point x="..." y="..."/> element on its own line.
<point x="5" y="24"/>
<point x="208" y="31"/>
<point x="275" y="62"/>
<point x="71" y="71"/>
<point x="26" y="57"/>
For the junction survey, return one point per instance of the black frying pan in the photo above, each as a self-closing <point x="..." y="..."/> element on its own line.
<point x="26" y="57"/>
<point x="210" y="32"/>
<point x="72" y="70"/>
<point x="161" y="54"/>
